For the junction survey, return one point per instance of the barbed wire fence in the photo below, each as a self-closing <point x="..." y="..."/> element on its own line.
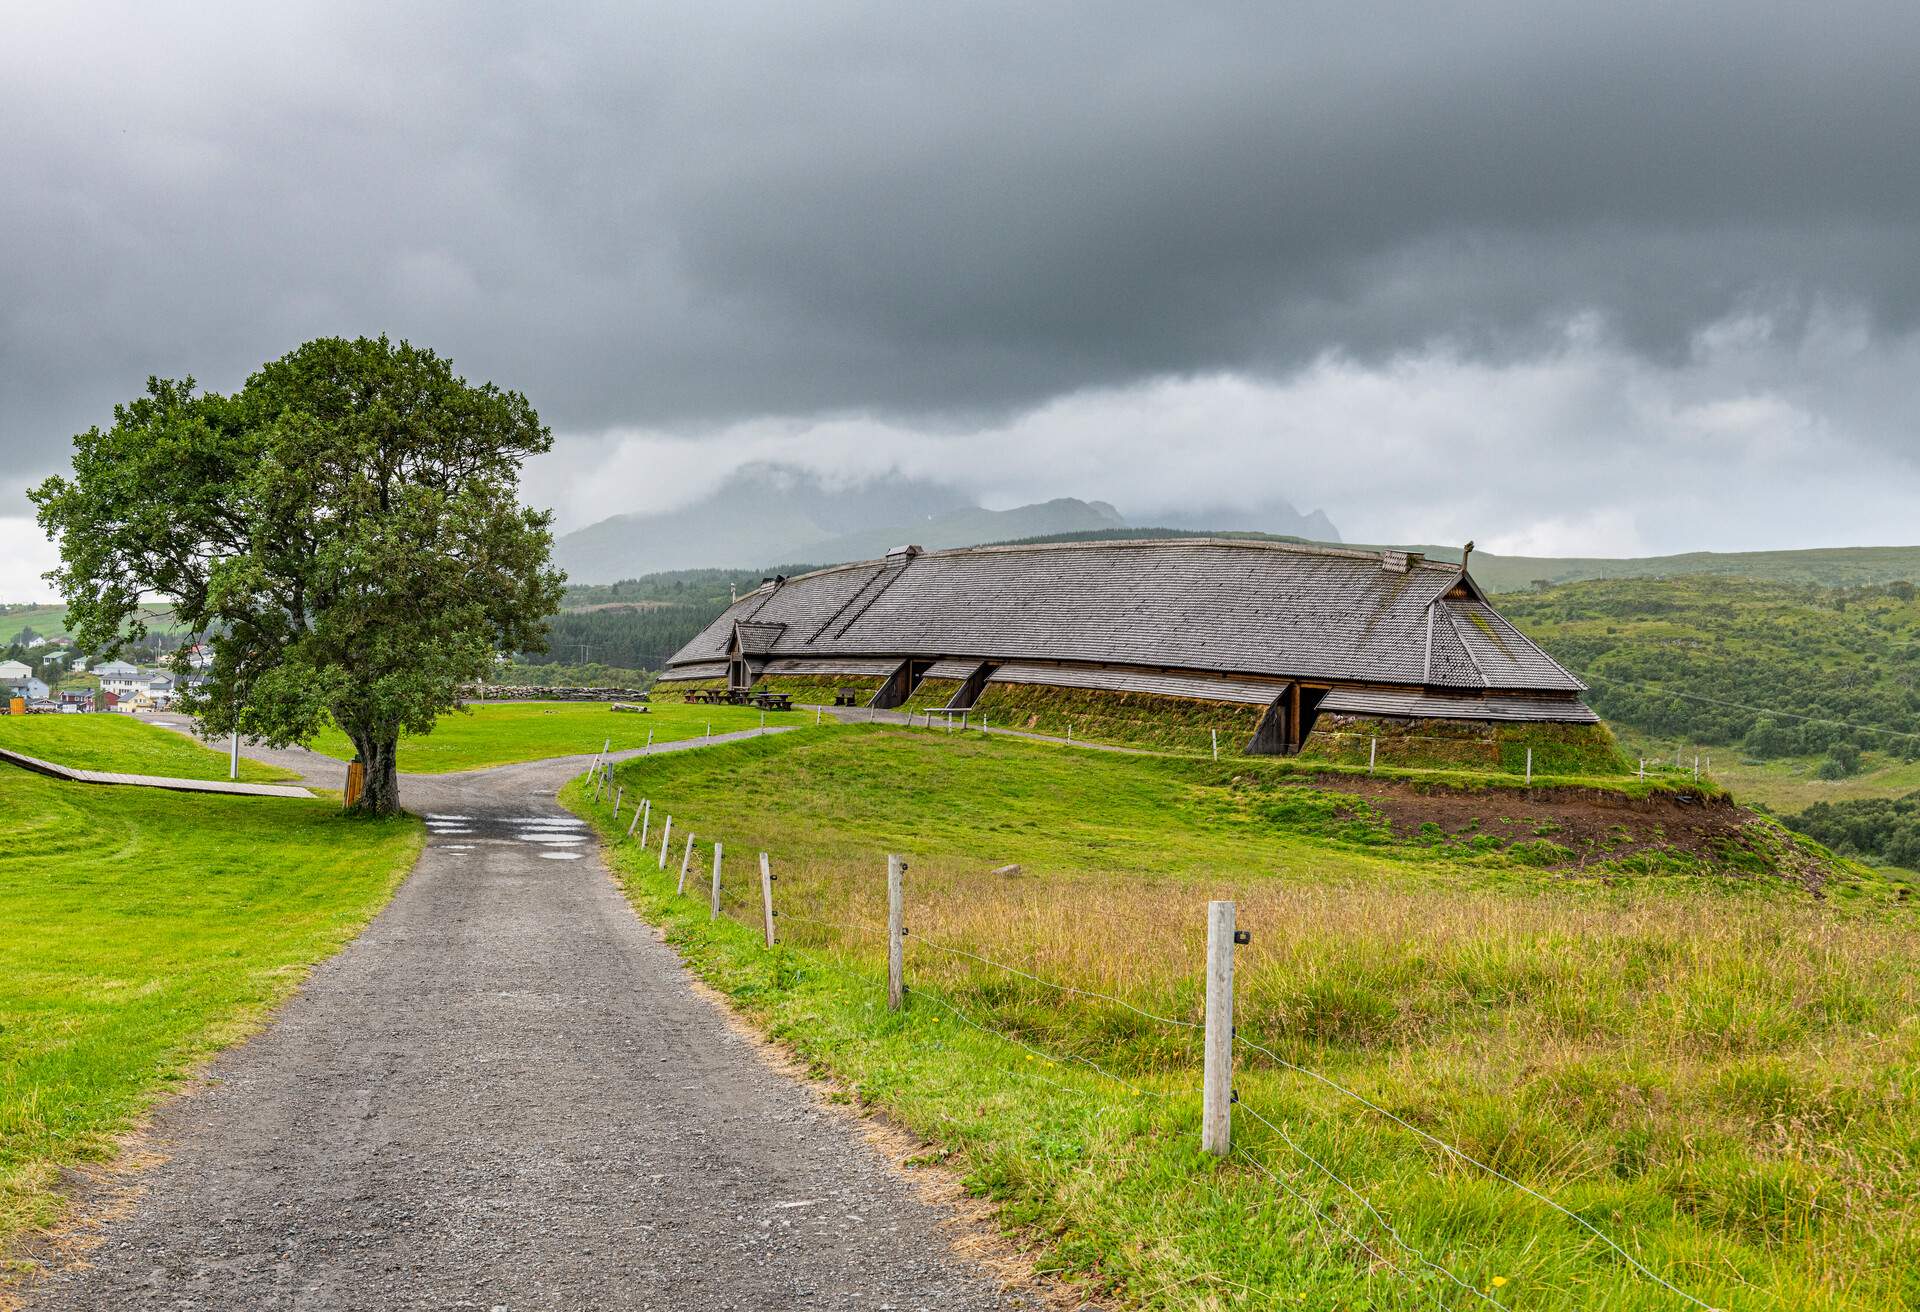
<point x="1367" y="1225"/>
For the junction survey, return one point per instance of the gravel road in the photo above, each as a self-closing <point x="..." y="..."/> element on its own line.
<point x="505" y="1095"/>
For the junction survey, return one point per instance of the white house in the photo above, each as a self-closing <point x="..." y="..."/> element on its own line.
<point x="120" y="677"/>
<point x="15" y="679"/>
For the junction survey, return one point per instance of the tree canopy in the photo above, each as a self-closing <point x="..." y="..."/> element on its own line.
<point x="343" y="534"/>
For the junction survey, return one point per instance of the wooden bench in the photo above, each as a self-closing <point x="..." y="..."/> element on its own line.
<point x="846" y="697"/>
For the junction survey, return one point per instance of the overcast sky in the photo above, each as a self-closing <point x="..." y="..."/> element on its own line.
<point x="1566" y="278"/>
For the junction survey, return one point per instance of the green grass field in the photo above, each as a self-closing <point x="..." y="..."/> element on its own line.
<point x="123" y="745"/>
<point x="500" y="733"/>
<point x="145" y="930"/>
<point x="1721" y="1073"/>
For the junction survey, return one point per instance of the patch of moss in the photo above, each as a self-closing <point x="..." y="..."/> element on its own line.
<point x="1124" y="719"/>
<point x="1493" y="746"/>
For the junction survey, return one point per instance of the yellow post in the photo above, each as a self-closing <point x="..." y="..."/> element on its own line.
<point x="356" y="781"/>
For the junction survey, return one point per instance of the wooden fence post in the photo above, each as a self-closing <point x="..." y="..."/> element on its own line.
<point x="1643" y="769"/>
<point x="713" y="907"/>
<point x="634" y="823"/>
<point x="1216" y="743"/>
<point x="666" y="836"/>
<point x="1373" y="752"/>
<point x="649" y="750"/>
<point x="766" y="896"/>
<point x="896" y="934"/>
<point x="1529" y="767"/>
<point x="646" y="822"/>
<point x="686" y="859"/>
<point x="618" y="793"/>
<point x="1216" y="1114"/>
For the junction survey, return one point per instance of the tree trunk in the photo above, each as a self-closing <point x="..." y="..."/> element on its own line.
<point x="381" y="792"/>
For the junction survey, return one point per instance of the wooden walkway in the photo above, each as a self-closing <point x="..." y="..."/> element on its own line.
<point x="72" y="775"/>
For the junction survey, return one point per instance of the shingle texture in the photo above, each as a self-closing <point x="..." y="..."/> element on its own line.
<point x="1188" y="605"/>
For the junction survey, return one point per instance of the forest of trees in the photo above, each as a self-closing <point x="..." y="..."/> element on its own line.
<point x="1775" y="669"/>
<point x="1883" y="828"/>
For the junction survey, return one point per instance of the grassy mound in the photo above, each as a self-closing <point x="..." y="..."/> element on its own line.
<point x="932" y="694"/>
<point x="1124" y="719"/>
<point x="144" y="933"/>
<point x="820" y="689"/>
<point x="121" y="744"/>
<point x="1558" y="749"/>
<point x="1723" y="1074"/>
<point x="677" y="691"/>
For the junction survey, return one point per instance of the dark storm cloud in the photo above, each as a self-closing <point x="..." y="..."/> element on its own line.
<point x="693" y="215"/>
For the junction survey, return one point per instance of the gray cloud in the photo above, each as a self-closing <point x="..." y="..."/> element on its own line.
<point x="681" y="217"/>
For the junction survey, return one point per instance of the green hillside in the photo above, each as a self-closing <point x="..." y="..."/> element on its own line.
<point x="1796" y="694"/>
<point x="50" y="620"/>
<point x="1826" y="566"/>
<point x="1699" y="1046"/>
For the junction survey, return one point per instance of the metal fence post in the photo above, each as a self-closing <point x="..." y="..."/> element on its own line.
<point x="713" y="907"/>
<point x="1216" y="743"/>
<point x="896" y="934"/>
<point x="649" y="750"/>
<point x="1216" y="1114"/>
<point x="766" y="896"/>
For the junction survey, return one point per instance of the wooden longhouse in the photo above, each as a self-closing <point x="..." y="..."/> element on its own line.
<point x="1296" y="630"/>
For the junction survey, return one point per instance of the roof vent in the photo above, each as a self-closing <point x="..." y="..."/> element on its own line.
<point x="909" y="550"/>
<point x="1394" y="562"/>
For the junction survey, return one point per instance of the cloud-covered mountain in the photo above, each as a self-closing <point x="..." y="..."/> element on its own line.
<point x="768" y="515"/>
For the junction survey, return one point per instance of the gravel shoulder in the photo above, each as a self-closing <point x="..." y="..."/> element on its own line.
<point x="507" y="1094"/>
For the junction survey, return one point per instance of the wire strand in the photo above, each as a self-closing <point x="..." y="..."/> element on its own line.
<point x="1372" y="1211"/>
<point x="1324" y="1216"/>
<point x="1585" y="1224"/>
<point x="1042" y="1053"/>
<point x="1054" y="984"/>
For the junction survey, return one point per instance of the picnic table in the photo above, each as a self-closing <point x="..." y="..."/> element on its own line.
<point x="847" y="697"/>
<point x="773" y="701"/>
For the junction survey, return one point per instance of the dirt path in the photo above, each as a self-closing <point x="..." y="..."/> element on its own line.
<point x="505" y="1095"/>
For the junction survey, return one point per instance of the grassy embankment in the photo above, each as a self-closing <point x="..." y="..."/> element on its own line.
<point x="503" y="732"/>
<point x="146" y="930"/>
<point x="1553" y="749"/>
<point x="1769" y="679"/>
<point x="1170" y="724"/>
<point x="1722" y="1073"/>
<point x="122" y="745"/>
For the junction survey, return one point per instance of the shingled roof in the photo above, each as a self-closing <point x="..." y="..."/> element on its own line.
<point x="1203" y="604"/>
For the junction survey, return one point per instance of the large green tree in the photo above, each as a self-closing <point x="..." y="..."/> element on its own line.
<point x="344" y="533"/>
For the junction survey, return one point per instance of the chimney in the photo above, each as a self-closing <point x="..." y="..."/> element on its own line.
<point x="1466" y="556"/>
